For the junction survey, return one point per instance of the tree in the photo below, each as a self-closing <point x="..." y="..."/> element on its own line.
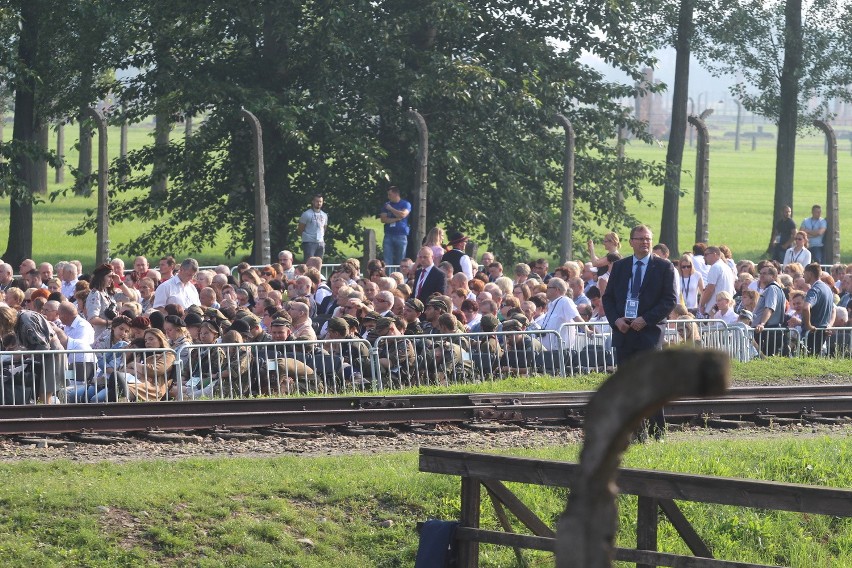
<point x="331" y="83"/>
<point x="789" y="57"/>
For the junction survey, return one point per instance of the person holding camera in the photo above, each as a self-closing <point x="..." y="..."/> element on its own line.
<point x="101" y="307"/>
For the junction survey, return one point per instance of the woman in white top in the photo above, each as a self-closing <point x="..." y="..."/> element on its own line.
<point x="691" y="284"/>
<point x="724" y="309"/>
<point x="799" y="251"/>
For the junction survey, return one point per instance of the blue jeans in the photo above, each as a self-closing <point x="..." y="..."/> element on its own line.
<point x="85" y="393"/>
<point x="394" y="247"/>
<point x="816" y="254"/>
<point x="313" y="249"/>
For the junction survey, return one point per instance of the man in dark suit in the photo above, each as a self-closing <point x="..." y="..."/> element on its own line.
<point x="640" y="294"/>
<point x="428" y="279"/>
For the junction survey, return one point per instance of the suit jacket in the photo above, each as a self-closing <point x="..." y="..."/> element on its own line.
<point x="656" y="300"/>
<point x="436" y="281"/>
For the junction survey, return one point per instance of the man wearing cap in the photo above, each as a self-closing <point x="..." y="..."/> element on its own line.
<point x="435" y="308"/>
<point x="411" y="312"/>
<point x="179" y="289"/>
<point x="394" y="215"/>
<point x="428" y="279"/>
<point x="456" y="256"/>
<point x="312" y="225"/>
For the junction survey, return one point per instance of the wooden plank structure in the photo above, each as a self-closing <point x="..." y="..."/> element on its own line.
<point x="586" y="531"/>
<point x="656" y="490"/>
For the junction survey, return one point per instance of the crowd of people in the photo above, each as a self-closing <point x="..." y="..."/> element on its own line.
<point x="128" y="325"/>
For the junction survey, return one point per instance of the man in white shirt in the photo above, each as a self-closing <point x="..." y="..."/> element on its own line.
<point x="69" y="280"/>
<point x="560" y="309"/>
<point x="720" y="278"/>
<point x="78" y="334"/>
<point x="285" y="259"/>
<point x="179" y="289"/>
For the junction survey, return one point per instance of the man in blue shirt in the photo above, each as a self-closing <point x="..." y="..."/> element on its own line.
<point x="818" y="309"/>
<point x="395" y="217"/>
<point x="815" y="227"/>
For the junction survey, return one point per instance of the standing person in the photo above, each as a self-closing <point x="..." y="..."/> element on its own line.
<point x="394" y="215"/>
<point x="457" y="257"/>
<point x="817" y="309"/>
<point x="312" y="225"/>
<point x="815" y="226"/>
<point x="428" y="279"/>
<point x="769" y="313"/>
<point x="435" y="241"/>
<point x="782" y="234"/>
<point x="799" y="252"/>
<point x="640" y="294"/>
<point x="179" y="289"/>
<point x="720" y="278"/>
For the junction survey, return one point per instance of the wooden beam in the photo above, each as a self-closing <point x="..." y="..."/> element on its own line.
<point x="517" y="507"/>
<point x="646" y="527"/>
<point x="684" y="529"/>
<point x="470" y="501"/>
<point x="658" y="484"/>
<point x="507" y="526"/>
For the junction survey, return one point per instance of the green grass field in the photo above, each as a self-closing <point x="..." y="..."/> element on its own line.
<point x="253" y="512"/>
<point x="741" y="186"/>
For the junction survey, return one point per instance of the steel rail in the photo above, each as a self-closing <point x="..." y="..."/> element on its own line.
<point x="828" y="400"/>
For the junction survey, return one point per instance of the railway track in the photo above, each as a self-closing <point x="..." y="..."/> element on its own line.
<point x="757" y="405"/>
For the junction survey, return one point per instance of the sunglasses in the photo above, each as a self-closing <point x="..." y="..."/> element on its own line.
<point x="682" y="266"/>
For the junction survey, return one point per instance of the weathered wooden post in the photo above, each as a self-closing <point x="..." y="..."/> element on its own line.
<point x="159" y="173"/>
<point x="585" y="534"/>
<point x="420" y="176"/>
<point x="122" y="143"/>
<point x="102" y="252"/>
<point x="369" y="247"/>
<point x="566" y="227"/>
<point x="619" y="152"/>
<point x="739" y="121"/>
<point x="261" y="210"/>
<point x="60" y="152"/>
<point x="831" y="238"/>
<point x="702" y="176"/>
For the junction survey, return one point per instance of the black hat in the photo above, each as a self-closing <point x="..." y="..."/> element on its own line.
<point x="512" y="325"/>
<point x="281" y="322"/>
<point x="351" y="321"/>
<point x="415" y="304"/>
<point x="192" y="319"/>
<point x="456" y="237"/>
<point x="241" y="326"/>
<point x="440" y="302"/>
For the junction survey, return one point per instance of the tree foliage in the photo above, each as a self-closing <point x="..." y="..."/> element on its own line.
<point x="331" y="83"/>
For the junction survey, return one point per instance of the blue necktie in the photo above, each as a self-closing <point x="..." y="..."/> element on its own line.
<point x="637" y="281"/>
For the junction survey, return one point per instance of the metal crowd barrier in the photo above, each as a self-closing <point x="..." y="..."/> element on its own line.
<point x="444" y="359"/>
<point x="242" y="370"/>
<point x="78" y="376"/>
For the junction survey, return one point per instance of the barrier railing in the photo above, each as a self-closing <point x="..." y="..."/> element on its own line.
<point x="417" y="360"/>
<point x="286" y="368"/>
<point x="91" y="375"/>
<point x="343" y="366"/>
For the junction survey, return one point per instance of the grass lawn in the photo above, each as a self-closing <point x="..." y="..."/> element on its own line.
<point x="252" y="512"/>
<point x="741" y="186"/>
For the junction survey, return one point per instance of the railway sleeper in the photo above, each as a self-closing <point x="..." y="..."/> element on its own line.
<point x="719" y="423"/>
<point x="817" y="418"/>
<point x="385" y="403"/>
<point x="358" y="430"/>
<point x="227" y="434"/>
<point x="100" y="438"/>
<point x="39" y="442"/>
<point x="763" y="419"/>
<point x="159" y="436"/>
<point x="285" y="432"/>
<point x="479" y="426"/>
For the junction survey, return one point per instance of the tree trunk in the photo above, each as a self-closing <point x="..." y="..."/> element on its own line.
<point x="159" y="177"/>
<point x="677" y="132"/>
<point x="40" y="181"/>
<point x="84" y="162"/>
<point x="785" y="152"/>
<point x="24" y="131"/>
